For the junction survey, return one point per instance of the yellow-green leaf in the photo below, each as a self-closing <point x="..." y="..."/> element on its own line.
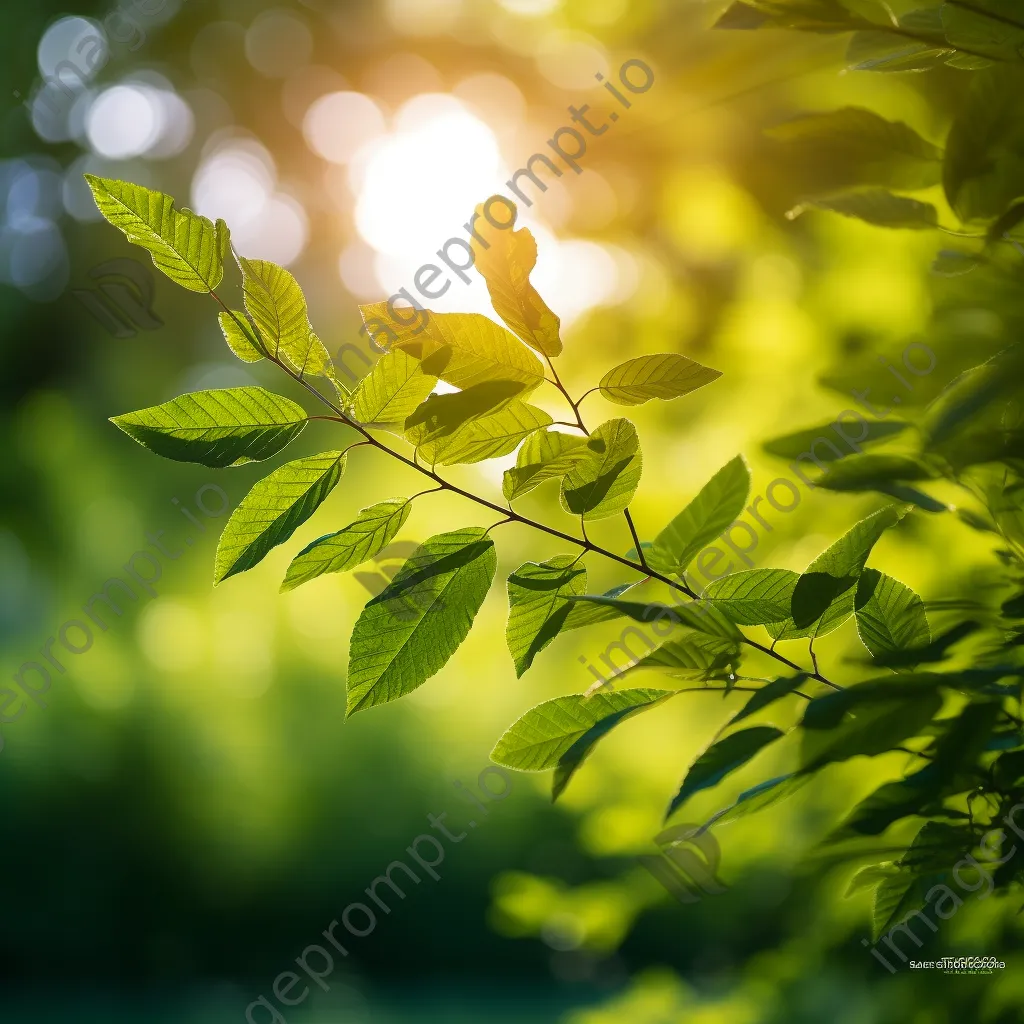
<point x="462" y="349"/>
<point x="372" y="530"/>
<point x="186" y="247"/>
<point x="606" y="481"/>
<point x="227" y="427"/>
<point x="546" y="455"/>
<point x="665" y="375"/>
<point x="275" y="301"/>
<point x="240" y="337"/>
<point x="391" y="391"/>
<point x="274" y="509"/>
<point x="505" y="259"/>
<point x="488" y="437"/>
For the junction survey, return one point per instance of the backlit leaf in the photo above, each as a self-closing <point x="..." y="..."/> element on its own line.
<point x="506" y="258"/>
<point x="890" y="616"/>
<point x="188" y="248"/>
<point x="538" y="608"/>
<point x="274" y="509"/>
<point x="409" y="631"/>
<point x="545" y="455"/>
<point x="693" y="656"/>
<point x="882" y="208"/>
<point x="715" y="508"/>
<point x="754" y="597"/>
<point x="486" y="437"/>
<point x="277" y="306"/>
<point x="440" y="416"/>
<point x="560" y="733"/>
<point x="720" y="759"/>
<point x="371" y="531"/>
<point x="388" y="394"/>
<point x="462" y="349"/>
<point x="665" y="375"/>
<point x="605" y="483"/>
<point x="700" y="615"/>
<point x="792" y="446"/>
<point x="227" y="427"/>
<point x="239" y="335"/>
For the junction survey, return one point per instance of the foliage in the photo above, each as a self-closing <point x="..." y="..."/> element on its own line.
<point x="960" y="725"/>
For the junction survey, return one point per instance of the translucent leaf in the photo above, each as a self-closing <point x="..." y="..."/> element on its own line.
<point x="560" y="733"/>
<point x="506" y="259"/>
<point x="792" y="446"/>
<point x="664" y="375"/>
<point x="885" y="712"/>
<point x="754" y="597"/>
<point x="228" y="427"/>
<point x="391" y="391"/>
<point x="274" y="509"/>
<point x="986" y="28"/>
<point x="984" y="167"/>
<point x="768" y="694"/>
<point x="823" y="598"/>
<point x="188" y="248"/>
<point x="606" y="481"/>
<point x="890" y="616"/>
<point x="538" y="608"/>
<point x="275" y="301"/>
<point x="722" y="758"/>
<point x="872" y="50"/>
<point x="488" y="437"/>
<point x="545" y="455"/>
<point x="882" y="208"/>
<point x="240" y="337"/>
<point x="411" y="629"/>
<point x="693" y="656"/>
<point x="867" y="149"/>
<point x="371" y="531"/>
<point x="462" y="349"/>
<point x="700" y="615"/>
<point x="886" y="474"/>
<point x="715" y="508"/>
<point x="758" y="797"/>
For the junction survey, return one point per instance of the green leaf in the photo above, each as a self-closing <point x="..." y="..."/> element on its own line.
<point x="992" y="28"/>
<point x="440" y="416"/>
<point x="188" y="248"/>
<point x="759" y="797"/>
<point x="229" y="427"/>
<point x="865" y="149"/>
<point x="699" y="615"/>
<point x="665" y="375"/>
<point x="754" y="597"/>
<point x="722" y="758"/>
<point x="792" y="446"/>
<point x="885" y="712"/>
<point x="872" y="50"/>
<point x="823" y="598"/>
<point x="486" y="437"/>
<point x="882" y="208"/>
<point x="693" y="656"/>
<point x="274" y="509"/>
<point x="806" y="15"/>
<point x="387" y="396"/>
<point x="716" y="507"/>
<point x="538" y="608"/>
<point x="505" y="260"/>
<point x="586" y="613"/>
<point x="462" y="349"/>
<point x="545" y="455"/>
<point x="604" y="484"/>
<point x="275" y="301"/>
<point x="412" y="628"/>
<point x="885" y="474"/>
<point x="240" y="336"/>
<point x="560" y="733"/>
<point x="890" y="616"/>
<point x="768" y="694"/>
<point x="984" y="169"/>
<point x="372" y="530"/>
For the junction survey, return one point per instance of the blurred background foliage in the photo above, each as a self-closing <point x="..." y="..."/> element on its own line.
<point x="191" y="809"/>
